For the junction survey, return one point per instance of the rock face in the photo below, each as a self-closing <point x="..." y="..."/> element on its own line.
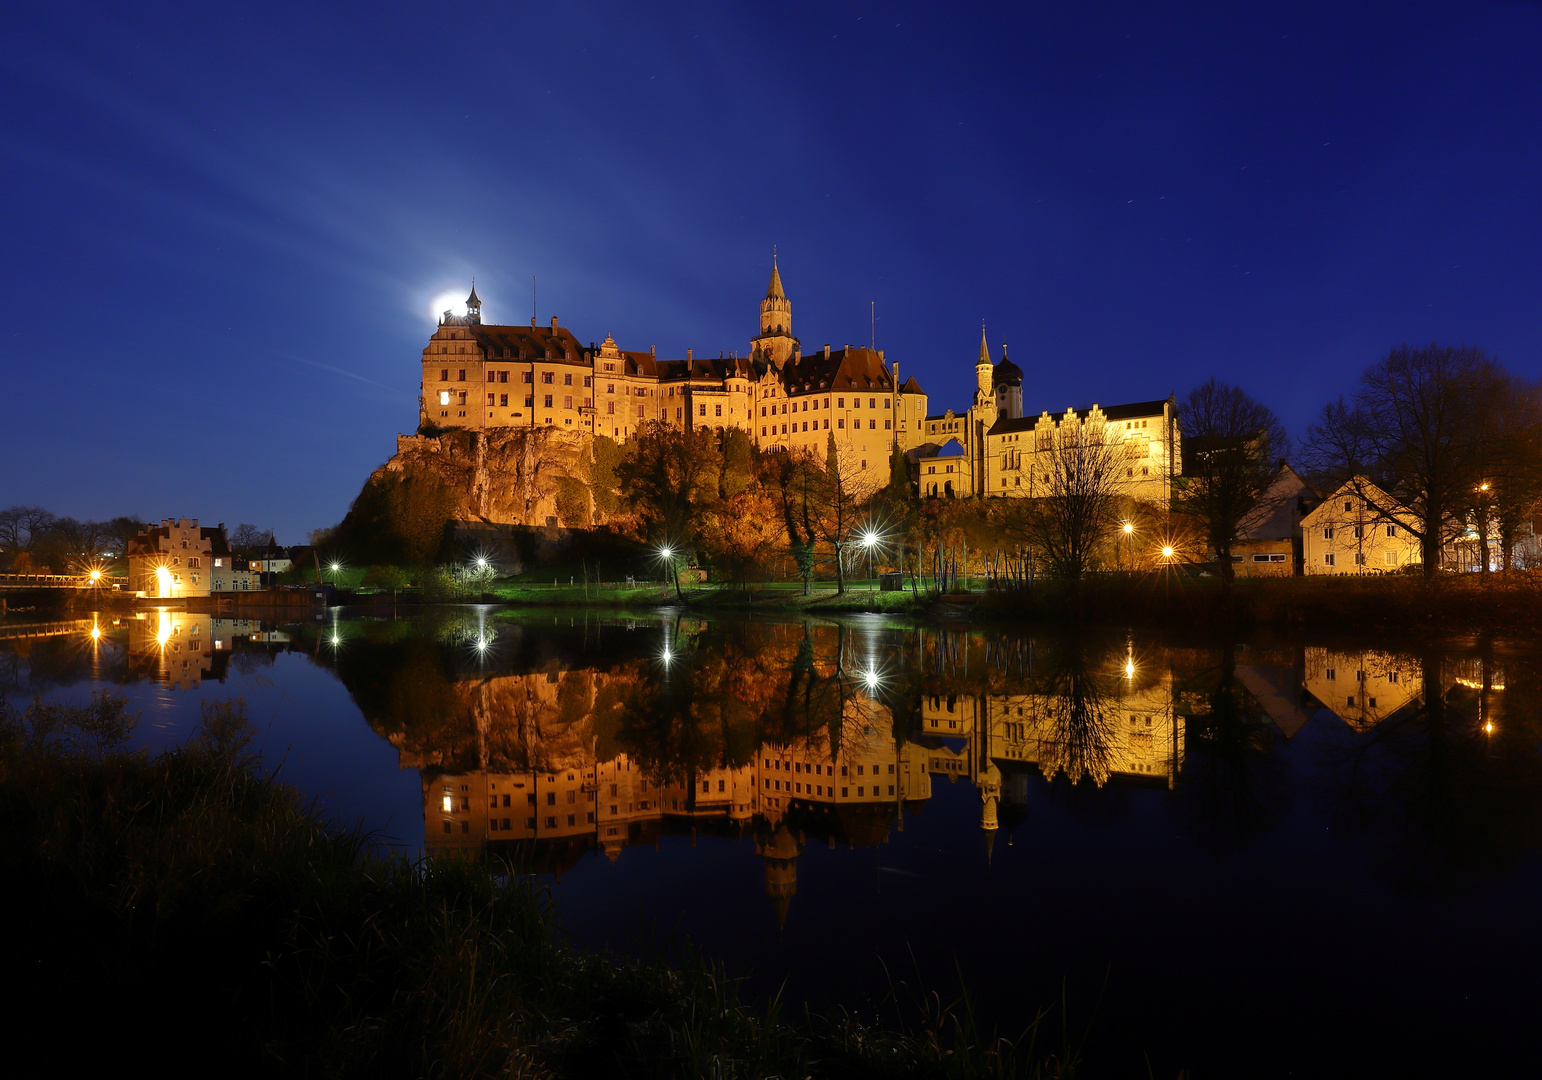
<point x="507" y="476"/>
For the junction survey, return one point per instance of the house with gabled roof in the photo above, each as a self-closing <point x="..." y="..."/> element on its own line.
<point x="1359" y="529"/>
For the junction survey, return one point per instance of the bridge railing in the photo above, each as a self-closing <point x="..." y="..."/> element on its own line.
<point x="52" y="581"/>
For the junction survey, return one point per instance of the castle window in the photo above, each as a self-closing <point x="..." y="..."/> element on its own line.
<point x="678" y="414"/>
<point x="462" y="398"/>
<point x="827" y="424"/>
<point x="492" y="376"/>
<point x="444" y="374"/>
<point x="717" y="410"/>
<point x="567" y="402"/>
<point x="461" y="375"/>
<point x="587" y="403"/>
<point x="529" y="401"/>
<point x="586" y="380"/>
<point x="503" y="401"/>
<point x="610" y="408"/>
<point x="547" y="401"/>
<point x="873" y="424"/>
<point x="762" y="430"/>
<point x="546" y="377"/>
<point x="610" y="388"/>
<point x="872" y="403"/>
<point x="703" y="410"/>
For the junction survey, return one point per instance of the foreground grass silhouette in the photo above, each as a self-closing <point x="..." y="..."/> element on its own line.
<point x="183" y="911"/>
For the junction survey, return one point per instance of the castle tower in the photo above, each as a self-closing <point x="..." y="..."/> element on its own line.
<point x="984" y="370"/>
<point x="1008" y="381"/>
<point x="473" y="305"/>
<point x="775" y="341"/>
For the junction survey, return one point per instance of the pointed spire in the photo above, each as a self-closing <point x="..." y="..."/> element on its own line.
<point x="774" y="290"/>
<point x="473" y="301"/>
<point x="985" y="350"/>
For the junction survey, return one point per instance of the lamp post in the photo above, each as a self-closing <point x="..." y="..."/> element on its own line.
<point x="1129" y="537"/>
<point x="869" y="541"/>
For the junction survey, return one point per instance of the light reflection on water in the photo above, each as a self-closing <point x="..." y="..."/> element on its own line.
<point x="1191" y="840"/>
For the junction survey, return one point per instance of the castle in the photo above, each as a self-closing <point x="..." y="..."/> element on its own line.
<point x="484" y="377"/>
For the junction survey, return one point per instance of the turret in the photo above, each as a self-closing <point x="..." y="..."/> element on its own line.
<point x="983" y="368"/>
<point x="775" y="341"/>
<point x="1007" y="380"/>
<point x="473" y="305"/>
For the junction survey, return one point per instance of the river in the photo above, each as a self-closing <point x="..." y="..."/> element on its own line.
<point x="1269" y="857"/>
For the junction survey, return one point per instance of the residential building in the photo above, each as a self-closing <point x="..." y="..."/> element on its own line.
<point x="1359" y="529"/>
<point x="1269" y="536"/>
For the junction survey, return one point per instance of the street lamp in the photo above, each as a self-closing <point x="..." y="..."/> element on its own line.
<point x="1167" y="551"/>
<point x="869" y="541"/>
<point x="1129" y="540"/>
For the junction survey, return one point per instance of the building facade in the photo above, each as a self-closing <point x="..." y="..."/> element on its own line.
<point x="993" y="450"/>
<point x="1352" y="532"/>
<point x="482" y="376"/>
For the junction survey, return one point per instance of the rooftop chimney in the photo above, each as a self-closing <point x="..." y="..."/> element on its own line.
<point x="827" y="350"/>
<point x="688" y="355"/>
<point x="554" y="324"/>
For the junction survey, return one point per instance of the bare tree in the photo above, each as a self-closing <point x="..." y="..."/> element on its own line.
<point x="1420" y="428"/>
<point x="1231" y="444"/>
<point x="22" y="527"/>
<point x="841" y="495"/>
<point x="1074" y="515"/>
<point x="248" y="537"/>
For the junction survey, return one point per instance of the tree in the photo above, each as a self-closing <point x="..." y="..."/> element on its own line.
<point x="738" y="463"/>
<point x="1075" y="513"/>
<point x="796" y="478"/>
<point x="1230" y="446"/>
<point x="1420" y="427"/>
<point x="840" y="497"/>
<point x="572" y="501"/>
<point x="669" y="477"/>
<point x="249" y="538"/>
<point x="742" y="535"/>
<point x="1514" y="476"/>
<point x="605" y="454"/>
<point x="21" y="527"/>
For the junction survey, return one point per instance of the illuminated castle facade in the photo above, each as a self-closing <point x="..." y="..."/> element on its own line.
<point x="482" y="376"/>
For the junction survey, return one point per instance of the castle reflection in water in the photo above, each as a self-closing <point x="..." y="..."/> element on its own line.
<point x="541" y="741"/>
<point x="540" y="748"/>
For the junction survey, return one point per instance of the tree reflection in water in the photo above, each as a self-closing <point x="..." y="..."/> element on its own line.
<point x="1232" y="788"/>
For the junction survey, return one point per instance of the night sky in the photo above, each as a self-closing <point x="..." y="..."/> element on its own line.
<point x="225" y="226"/>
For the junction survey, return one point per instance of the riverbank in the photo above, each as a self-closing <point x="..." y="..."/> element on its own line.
<point x="188" y="908"/>
<point x="1451" y="603"/>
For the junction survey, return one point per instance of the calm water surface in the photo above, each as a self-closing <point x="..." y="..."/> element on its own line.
<point x="1278" y="857"/>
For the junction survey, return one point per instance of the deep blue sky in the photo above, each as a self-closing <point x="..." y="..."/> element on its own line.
<point x="224" y="225"/>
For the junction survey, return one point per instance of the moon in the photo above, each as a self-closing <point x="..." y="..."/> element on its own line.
<point x="452" y="302"/>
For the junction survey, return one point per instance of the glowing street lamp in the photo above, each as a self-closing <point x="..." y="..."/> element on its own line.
<point x="1129" y="543"/>
<point x="95" y="576"/>
<point x="1167" y="551"/>
<point x="869" y="540"/>
<point x="667" y="554"/>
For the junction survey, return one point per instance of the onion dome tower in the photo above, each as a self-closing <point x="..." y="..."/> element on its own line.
<point x="1008" y="383"/>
